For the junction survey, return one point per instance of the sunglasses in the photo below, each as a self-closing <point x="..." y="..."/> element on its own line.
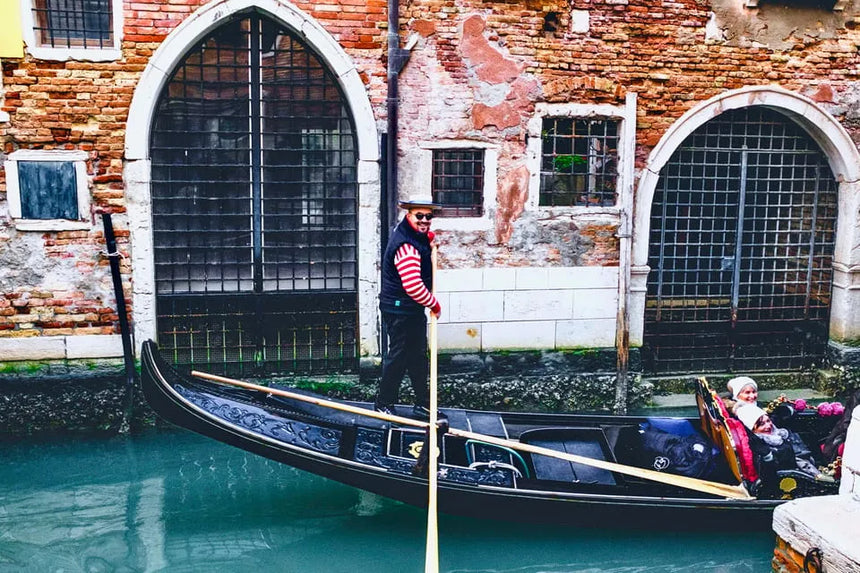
<point x="424" y="216"/>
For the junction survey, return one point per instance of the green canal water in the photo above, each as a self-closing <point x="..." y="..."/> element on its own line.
<point x="174" y="501"/>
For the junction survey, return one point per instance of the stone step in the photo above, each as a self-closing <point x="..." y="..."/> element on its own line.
<point x="688" y="400"/>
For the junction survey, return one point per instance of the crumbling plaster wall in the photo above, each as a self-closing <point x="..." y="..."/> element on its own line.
<point x="479" y="69"/>
<point x="780" y="25"/>
<point x="477" y="72"/>
<point x="462" y="84"/>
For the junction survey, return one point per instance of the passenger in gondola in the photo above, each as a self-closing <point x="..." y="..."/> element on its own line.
<point x="744" y="391"/>
<point x="777" y="448"/>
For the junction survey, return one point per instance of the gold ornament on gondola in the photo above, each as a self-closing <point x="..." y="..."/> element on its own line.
<point x="787" y="485"/>
<point x="781" y="399"/>
<point x="415" y="449"/>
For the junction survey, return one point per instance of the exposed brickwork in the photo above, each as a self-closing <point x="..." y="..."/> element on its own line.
<point x="477" y="72"/>
<point x="786" y="559"/>
<point x="29" y="308"/>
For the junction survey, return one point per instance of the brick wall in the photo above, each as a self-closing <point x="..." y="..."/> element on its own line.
<point x="476" y="72"/>
<point x="786" y="559"/>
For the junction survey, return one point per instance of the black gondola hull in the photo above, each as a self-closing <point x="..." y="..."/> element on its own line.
<point x="607" y="507"/>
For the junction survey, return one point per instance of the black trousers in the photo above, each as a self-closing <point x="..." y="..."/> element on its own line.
<point x="407" y="352"/>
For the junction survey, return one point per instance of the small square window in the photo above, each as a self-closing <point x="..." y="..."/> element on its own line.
<point x="47" y="190"/>
<point x="73" y="23"/>
<point x="579" y="161"/>
<point x="458" y="182"/>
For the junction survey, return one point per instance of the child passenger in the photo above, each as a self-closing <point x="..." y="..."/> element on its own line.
<point x="777" y="448"/>
<point x="744" y="391"/>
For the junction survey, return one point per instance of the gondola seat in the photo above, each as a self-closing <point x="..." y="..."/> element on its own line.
<point x="585" y="442"/>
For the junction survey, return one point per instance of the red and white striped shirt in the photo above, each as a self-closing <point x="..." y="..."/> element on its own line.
<point x="408" y="264"/>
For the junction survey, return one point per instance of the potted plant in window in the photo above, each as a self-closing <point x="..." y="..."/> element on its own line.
<point x="569" y="177"/>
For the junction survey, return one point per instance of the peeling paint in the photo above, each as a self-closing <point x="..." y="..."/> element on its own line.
<point x="486" y="61"/>
<point x="776" y="25"/>
<point x="511" y="198"/>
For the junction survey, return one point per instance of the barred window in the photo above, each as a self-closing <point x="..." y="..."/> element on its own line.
<point x="73" y="23"/>
<point x="579" y="161"/>
<point x="458" y="182"/>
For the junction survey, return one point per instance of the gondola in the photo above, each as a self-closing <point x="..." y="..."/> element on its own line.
<point x="580" y="469"/>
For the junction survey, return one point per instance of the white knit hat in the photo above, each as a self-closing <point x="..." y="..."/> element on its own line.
<point x="737" y="384"/>
<point x="749" y="414"/>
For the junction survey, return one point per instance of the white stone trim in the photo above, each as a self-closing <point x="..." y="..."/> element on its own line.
<point x="73" y="347"/>
<point x="13" y="189"/>
<point x="137" y="169"/>
<point x="506" y="308"/>
<point x="835" y="143"/>
<point x="626" y="114"/>
<point x="36" y="50"/>
<point x="425" y="182"/>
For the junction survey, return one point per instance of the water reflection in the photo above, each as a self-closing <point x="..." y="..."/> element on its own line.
<point x="173" y="501"/>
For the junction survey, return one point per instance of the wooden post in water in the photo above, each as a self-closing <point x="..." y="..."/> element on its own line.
<point x="124" y="329"/>
<point x="431" y="556"/>
<point x="625" y="241"/>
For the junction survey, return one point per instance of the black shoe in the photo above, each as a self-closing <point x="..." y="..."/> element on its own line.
<point x="385" y="409"/>
<point x="423" y="413"/>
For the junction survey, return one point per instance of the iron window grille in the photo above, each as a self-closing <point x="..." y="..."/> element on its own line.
<point x="73" y="23"/>
<point x="458" y="182"/>
<point x="579" y="162"/>
<point x="254" y="202"/>
<point x="743" y="228"/>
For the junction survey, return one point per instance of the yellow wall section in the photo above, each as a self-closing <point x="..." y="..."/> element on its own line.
<point x="11" y="40"/>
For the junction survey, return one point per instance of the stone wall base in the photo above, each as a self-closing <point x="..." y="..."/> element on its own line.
<point x="843" y="355"/>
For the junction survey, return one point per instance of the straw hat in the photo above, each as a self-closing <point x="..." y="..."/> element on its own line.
<point x="419" y="201"/>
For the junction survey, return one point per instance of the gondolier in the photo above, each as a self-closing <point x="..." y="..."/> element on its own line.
<point x="407" y="289"/>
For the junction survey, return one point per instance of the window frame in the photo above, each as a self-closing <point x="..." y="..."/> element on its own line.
<point x="447" y="210"/>
<point x="626" y="117"/>
<point x="82" y="188"/>
<point x="425" y="179"/>
<point x="56" y="53"/>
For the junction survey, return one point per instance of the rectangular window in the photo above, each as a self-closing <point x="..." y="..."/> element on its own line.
<point x="48" y="190"/>
<point x="579" y="162"/>
<point x="458" y="182"/>
<point x="73" y="23"/>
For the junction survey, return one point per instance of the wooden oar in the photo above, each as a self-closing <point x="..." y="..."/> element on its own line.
<point x="695" y="484"/>
<point x="431" y="555"/>
<point x="712" y="487"/>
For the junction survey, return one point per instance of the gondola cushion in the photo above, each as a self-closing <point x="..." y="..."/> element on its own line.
<point x="689" y="455"/>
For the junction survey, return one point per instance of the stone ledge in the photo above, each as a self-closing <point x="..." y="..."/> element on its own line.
<point x="843" y="355"/>
<point x="830" y="523"/>
<point x="61" y="347"/>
